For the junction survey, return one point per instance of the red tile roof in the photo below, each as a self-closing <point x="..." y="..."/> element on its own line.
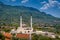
<point x="22" y="36"/>
<point x="8" y="35"/>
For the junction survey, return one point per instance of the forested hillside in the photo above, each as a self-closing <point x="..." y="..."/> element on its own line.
<point x="11" y="15"/>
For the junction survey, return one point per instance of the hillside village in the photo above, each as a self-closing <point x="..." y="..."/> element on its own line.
<point x="19" y="21"/>
<point x="25" y="33"/>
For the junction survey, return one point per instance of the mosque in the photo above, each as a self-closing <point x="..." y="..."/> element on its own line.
<point x="23" y="30"/>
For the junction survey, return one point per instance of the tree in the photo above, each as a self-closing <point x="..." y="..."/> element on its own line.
<point x="2" y="37"/>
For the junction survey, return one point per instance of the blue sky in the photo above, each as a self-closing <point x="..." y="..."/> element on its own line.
<point x="49" y="6"/>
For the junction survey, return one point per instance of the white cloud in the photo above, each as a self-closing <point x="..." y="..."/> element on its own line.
<point x="24" y="1"/>
<point x="46" y="6"/>
<point x="55" y="3"/>
<point x="51" y="3"/>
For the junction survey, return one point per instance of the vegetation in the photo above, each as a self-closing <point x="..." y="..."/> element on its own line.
<point x="34" y="37"/>
<point x="2" y="37"/>
<point x="10" y="15"/>
<point x="40" y="37"/>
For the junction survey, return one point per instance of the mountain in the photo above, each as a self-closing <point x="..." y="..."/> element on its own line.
<point x="11" y="15"/>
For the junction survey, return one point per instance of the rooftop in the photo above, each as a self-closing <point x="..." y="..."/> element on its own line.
<point x="6" y="34"/>
<point x="22" y="36"/>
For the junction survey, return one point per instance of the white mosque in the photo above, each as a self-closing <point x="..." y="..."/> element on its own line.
<point x="23" y="30"/>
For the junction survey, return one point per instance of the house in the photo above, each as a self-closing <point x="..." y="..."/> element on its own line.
<point x="7" y="35"/>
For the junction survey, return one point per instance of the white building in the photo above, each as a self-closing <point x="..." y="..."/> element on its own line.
<point x="49" y="34"/>
<point x="23" y="30"/>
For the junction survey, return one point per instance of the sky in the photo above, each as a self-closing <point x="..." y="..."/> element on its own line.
<point x="49" y="6"/>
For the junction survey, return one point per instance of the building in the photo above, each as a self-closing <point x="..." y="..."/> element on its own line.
<point x="48" y="34"/>
<point x="23" y="32"/>
<point x="7" y="35"/>
<point x="26" y="36"/>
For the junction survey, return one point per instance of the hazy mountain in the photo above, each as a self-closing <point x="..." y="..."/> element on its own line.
<point x="11" y="14"/>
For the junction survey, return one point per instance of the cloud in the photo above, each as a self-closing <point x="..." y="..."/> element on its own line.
<point x="24" y="1"/>
<point x="46" y="6"/>
<point x="50" y="4"/>
<point x="53" y="3"/>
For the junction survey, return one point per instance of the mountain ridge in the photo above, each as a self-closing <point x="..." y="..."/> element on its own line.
<point x="12" y="13"/>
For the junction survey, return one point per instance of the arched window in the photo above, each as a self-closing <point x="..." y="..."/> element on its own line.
<point x="28" y="31"/>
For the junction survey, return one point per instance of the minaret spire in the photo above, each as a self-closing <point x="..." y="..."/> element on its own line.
<point x="21" y="21"/>
<point x="31" y="21"/>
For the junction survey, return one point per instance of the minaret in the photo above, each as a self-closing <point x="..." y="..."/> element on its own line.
<point x="19" y="28"/>
<point x="21" y="21"/>
<point x="31" y="28"/>
<point x="31" y="21"/>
